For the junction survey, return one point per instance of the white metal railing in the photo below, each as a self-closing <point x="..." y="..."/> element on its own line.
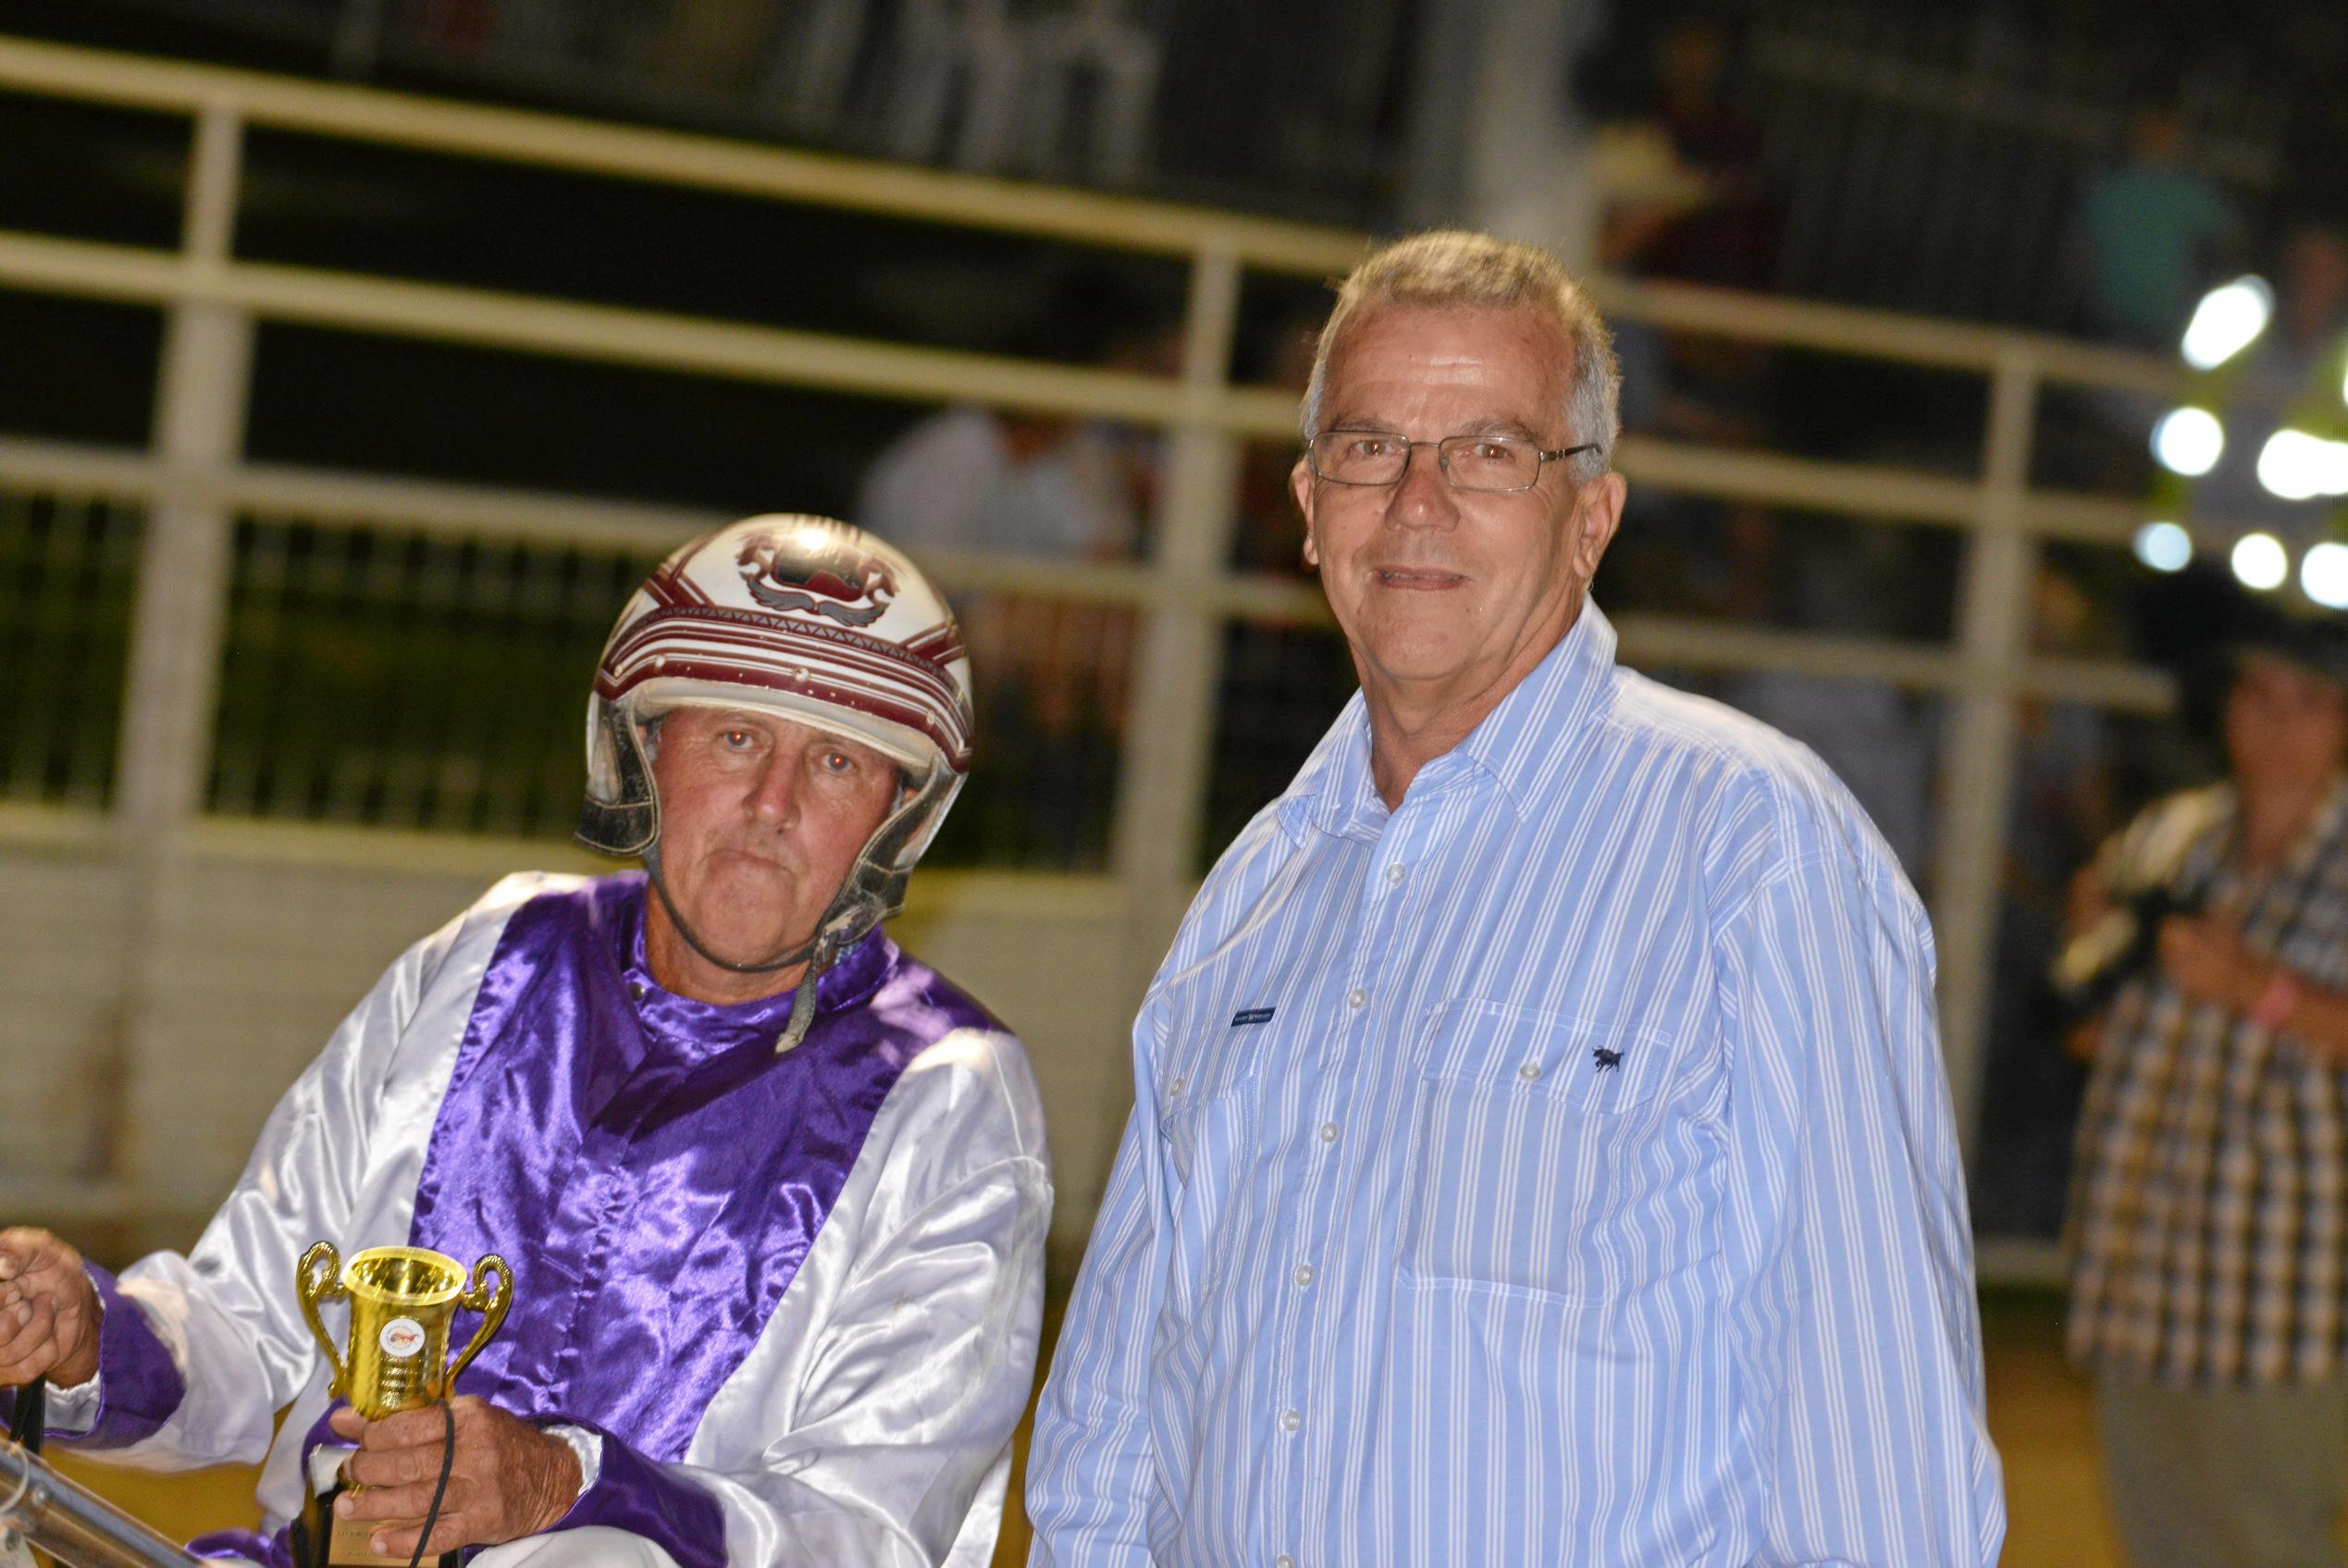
<point x="195" y="480"/>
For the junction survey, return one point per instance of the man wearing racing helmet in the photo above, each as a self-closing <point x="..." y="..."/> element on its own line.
<point x="773" y="1193"/>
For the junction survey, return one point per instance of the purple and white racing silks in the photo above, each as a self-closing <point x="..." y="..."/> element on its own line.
<point x="786" y="1304"/>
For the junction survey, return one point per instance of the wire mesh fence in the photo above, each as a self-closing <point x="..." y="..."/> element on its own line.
<point x="417" y="680"/>
<point x="68" y="572"/>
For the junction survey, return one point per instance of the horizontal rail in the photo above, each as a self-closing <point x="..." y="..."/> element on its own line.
<point x="668" y="157"/>
<point x="650" y="339"/>
<point x="1874" y="334"/>
<point x="349" y="501"/>
<point x="2019" y="1261"/>
<point x="57" y="830"/>
<point x="1713" y="645"/>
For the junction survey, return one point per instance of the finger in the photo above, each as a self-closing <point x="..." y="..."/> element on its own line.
<point x="346" y="1423"/>
<point x="17" y="1243"/>
<point x="407" y="1428"/>
<point x="394" y="1468"/>
<point x="25" y="1251"/>
<point x="448" y="1533"/>
<point x="405" y="1503"/>
<point x="38" y="1361"/>
<point x="25" y="1327"/>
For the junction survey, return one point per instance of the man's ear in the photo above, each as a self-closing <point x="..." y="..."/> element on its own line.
<point x="1598" y="508"/>
<point x="1300" y="485"/>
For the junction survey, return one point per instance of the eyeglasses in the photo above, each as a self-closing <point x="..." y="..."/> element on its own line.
<point x="1470" y="463"/>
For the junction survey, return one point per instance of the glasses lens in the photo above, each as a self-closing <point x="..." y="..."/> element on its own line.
<point x="1359" y="457"/>
<point x="1491" y="463"/>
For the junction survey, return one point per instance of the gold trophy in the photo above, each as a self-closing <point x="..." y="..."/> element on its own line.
<point x="403" y="1302"/>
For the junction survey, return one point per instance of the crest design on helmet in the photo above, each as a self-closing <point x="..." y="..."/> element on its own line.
<point x="849" y="586"/>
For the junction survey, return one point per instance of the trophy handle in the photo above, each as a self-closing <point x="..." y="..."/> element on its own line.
<point x="490" y="1301"/>
<point x="318" y="1278"/>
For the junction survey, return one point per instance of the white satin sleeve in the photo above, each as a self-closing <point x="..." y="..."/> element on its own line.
<point x="336" y="1161"/>
<point x="871" y="1423"/>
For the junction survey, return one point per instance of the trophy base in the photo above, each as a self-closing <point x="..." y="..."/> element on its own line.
<point x="347" y="1545"/>
<point x="320" y="1541"/>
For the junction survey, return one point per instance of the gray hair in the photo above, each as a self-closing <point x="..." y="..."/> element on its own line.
<point x="1459" y="270"/>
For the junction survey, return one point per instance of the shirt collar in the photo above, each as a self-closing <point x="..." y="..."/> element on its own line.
<point x="707" y="1027"/>
<point x="2321" y="831"/>
<point x="1520" y="745"/>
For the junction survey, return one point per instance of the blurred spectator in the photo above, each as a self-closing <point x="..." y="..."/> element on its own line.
<point x="1268" y="535"/>
<point x="1704" y="215"/>
<point x="1053" y="671"/>
<point x="975" y="479"/>
<point x="1868" y="731"/>
<point x="2209" y="1240"/>
<point x="1686" y="201"/>
<point x="2152" y="235"/>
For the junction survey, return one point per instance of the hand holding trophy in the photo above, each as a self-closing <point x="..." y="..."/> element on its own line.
<point x="403" y="1301"/>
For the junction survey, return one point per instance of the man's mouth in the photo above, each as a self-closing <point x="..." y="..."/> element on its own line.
<point x="735" y="851"/>
<point x="1415" y="578"/>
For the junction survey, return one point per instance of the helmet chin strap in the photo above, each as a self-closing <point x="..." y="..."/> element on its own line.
<point x="782" y="960"/>
<point x="868" y="894"/>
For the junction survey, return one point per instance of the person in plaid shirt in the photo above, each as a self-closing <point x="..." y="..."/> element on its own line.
<point x="2208" y="1228"/>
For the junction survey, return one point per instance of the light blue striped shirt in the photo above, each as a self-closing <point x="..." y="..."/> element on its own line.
<point x="1558" y="1169"/>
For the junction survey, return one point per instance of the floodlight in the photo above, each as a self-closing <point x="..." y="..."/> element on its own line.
<point x="2164" y="546"/>
<point x="2294" y="465"/>
<point x="2227" y="320"/>
<point x="2188" y="442"/>
<point x="2260" y="562"/>
<point x="2324" y="574"/>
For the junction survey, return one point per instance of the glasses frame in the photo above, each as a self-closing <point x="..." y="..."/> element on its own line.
<point x="1443" y="462"/>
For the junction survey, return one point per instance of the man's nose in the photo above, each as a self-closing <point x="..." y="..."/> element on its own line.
<point x="774" y="792"/>
<point x="1423" y="496"/>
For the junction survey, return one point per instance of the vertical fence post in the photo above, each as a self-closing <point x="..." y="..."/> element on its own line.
<point x="1993" y="622"/>
<point x="178" y="617"/>
<point x="1169" y="728"/>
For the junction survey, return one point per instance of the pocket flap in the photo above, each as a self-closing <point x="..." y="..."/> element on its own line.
<point x="1599" y="1065"/>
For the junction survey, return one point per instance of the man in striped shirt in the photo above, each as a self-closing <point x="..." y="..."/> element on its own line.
<point x="1541" y="1150"/>
<point x="2209" y="1208"/>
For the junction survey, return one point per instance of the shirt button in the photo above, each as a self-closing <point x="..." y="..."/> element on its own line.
<point x="1291" y="1421"/>
<point x="1529" y="1071"/>
<point x="1356" y="996"/>
<point x="1394" y="874"/>
<point x="1329" y="1132"/>
<point x="1303" y="1275"/>
<point x="1283" y="1560"/>
<point x="1178" y="1086"/>
<point x="635" y="989"/>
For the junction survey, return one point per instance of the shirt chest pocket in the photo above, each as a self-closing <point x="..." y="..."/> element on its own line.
<point x="1533" y="1167"/>
<point x="1204" y="1125"/>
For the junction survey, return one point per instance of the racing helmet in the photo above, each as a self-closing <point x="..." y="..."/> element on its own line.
<point x="814" y="620"/>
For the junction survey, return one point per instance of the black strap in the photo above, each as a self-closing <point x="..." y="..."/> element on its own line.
<point x="440" y="1488"/>
<point x="30" y="1417"/>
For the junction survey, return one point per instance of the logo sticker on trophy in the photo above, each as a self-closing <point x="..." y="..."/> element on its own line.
<point x="402" y="1302"/>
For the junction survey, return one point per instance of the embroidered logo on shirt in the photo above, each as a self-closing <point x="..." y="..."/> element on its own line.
<point x="1246" y="1016"/>
<point x="1607" y="1060"/>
